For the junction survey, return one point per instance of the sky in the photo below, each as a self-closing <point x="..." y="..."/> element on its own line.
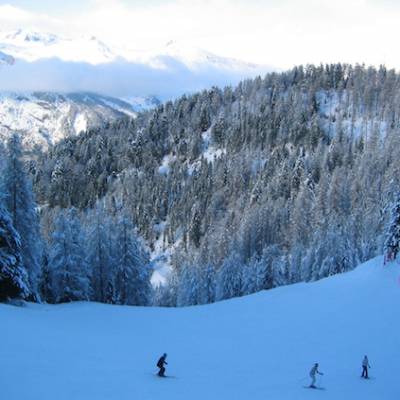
<point x="281" y="33"/>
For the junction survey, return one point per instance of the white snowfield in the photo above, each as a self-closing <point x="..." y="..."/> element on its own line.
<point x="257" y="347"/>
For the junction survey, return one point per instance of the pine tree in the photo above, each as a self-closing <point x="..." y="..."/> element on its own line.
<point x="166" y="295"/>
<point x="207" y="284"/>
<point x="229" y="282"/>
<point x="69" y="270"/>
<point x="2" y="156"/>
<point x="13" y="276"/>
<point x="132" y="263"/>
<point x="20" y="203"/>
<point x="189" y="281"/>
<point x="46" y="286"/>
<point x="392" y="242"/>
<point x="272" y="261"/>
<point x="100" y="254"/>
<point x="250" y="282"/>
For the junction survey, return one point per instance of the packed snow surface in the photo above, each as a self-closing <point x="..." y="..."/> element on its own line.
<point x="257" y="347"/>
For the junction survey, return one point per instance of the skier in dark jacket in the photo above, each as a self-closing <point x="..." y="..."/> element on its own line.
<point x="160" y="364"/>
<point x="365" y="366"/>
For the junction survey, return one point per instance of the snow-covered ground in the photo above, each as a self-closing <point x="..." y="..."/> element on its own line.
<point x="257" y="347"/>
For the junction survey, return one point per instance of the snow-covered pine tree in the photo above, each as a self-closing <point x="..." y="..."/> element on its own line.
<point x="189" y="281"/>
<point x="69" y="269"/>
<point x="13" y="276"/>
<point x="132" y="263"/>
<point x="2" y="156"/>
<point x="272" y="260"/>
<point x="165" y="295"/>
<point x="99" y="254"/>
<point x="249" y="277"/>
<point x="46" y="285"/>
<point x="229" y="279"/>
<point x="333" y="253"/>
<point x="207" y="284"/>
<point x="392" y="241"/>
<point x="20" y="203"/>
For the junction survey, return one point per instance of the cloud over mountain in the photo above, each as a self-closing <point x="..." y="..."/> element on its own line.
<point x="47" y="62"/>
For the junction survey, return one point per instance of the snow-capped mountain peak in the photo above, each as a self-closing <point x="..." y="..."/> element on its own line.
<point x="23" y="35"/>
<point x="33" y="46"/>
<point x="193" y="57"/>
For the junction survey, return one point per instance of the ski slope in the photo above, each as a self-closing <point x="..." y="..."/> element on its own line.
<point x="257" y="347"/>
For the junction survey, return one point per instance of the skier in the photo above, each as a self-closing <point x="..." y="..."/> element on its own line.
<point x="160" y="364"/>
<point x="365" y="366"/>
<point x="313" y="372"/>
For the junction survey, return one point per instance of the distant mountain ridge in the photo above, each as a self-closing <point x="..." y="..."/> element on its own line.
<point x="38" y="68"/>
<point x="33" y="46"/>
<point x="45" y="118"/>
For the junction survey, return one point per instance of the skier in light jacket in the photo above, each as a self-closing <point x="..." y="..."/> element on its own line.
<point x="365" y="366"/>
<point x="314" y="371"/>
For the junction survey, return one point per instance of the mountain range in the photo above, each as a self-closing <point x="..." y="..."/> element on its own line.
<point x="44" y="118"/>
<point x="49" y="83"/>
<point x="34" y="46"/>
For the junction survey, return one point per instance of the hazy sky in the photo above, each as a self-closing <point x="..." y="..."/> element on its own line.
<point x="275" y="32"/>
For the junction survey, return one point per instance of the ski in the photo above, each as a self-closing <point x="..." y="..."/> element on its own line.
<point x="315" y="387"/>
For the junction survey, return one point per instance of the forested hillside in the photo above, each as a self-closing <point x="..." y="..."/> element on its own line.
<point x="282" y="179"/>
